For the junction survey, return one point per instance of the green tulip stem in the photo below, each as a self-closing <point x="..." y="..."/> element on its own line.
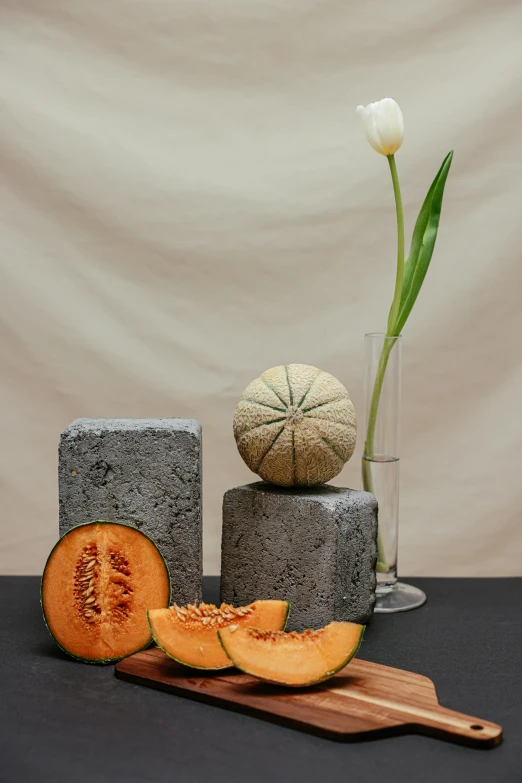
<point x="394" y="312"/>
<point x="382" y="564"/>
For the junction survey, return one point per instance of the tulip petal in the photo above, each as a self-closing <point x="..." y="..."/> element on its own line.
<point x="390" y="122"/>
<point x="369" y="124"/>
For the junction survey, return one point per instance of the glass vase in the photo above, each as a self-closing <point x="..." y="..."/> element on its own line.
<point x="381" y="465"/>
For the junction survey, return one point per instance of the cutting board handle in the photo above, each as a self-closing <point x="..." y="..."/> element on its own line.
<point x="442" y="721"/>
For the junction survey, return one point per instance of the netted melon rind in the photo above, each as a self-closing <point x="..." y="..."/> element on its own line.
<point x="295" y="425"/>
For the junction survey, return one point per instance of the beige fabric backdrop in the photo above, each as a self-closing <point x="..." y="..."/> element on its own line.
<point x="187" y="199"/>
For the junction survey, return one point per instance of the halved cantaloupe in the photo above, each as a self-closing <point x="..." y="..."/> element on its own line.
<point x="189" y="633"/>
<point x="97" y="584"/>
<point x="293" y="658"/>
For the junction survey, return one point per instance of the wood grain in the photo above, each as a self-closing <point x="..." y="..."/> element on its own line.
<point x="363" y="701"/>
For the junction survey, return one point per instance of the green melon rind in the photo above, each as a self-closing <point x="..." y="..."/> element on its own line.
<point x="205" y="668"/>
<point x="87" y="524"/>
<point x="286" y="615"/>
<point x="327" y="675"/>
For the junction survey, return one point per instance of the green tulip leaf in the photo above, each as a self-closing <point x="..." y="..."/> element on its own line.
<point x="422" y="246"/>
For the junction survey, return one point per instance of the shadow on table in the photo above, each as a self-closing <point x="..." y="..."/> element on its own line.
<point x="50" y="649"/>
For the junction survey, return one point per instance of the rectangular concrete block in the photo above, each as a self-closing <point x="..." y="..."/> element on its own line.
<point x="145" y="473"/>
<point x="315" y="547"/>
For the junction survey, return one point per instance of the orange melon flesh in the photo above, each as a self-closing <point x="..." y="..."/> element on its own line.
<point x="294" y="659"/>
<point x="97" y="584"/>
<point x="194" y="642"/>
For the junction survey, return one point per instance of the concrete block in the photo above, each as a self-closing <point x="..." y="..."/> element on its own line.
<point x="145" y="473"/>
<point x="315" y="547"/>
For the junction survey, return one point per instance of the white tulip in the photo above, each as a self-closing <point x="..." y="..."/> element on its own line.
<point x="383" y="125"/>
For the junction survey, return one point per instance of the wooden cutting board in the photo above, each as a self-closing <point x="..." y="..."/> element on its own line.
<point x="363" y="701"/>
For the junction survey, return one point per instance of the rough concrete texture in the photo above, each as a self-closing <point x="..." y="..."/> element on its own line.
<point x="143" y="472"/>
<point x="315" y="547"/>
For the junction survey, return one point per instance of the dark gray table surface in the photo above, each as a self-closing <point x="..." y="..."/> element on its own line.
<point x="65" y="721"/>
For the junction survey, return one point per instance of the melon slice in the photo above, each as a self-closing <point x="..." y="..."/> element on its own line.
<point x="97" y="584"/>
<point x="293" y="658"/>
<point x="189" y="633"/>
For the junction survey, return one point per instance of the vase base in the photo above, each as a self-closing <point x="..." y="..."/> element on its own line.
<point x="401" y="598"/>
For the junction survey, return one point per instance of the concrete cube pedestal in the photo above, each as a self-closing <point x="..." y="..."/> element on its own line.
<point x="145" y="473"/>
<point x="315" y="547"/>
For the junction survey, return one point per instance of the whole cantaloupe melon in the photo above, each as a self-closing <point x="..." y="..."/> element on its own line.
<point x="295" y="425"/>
